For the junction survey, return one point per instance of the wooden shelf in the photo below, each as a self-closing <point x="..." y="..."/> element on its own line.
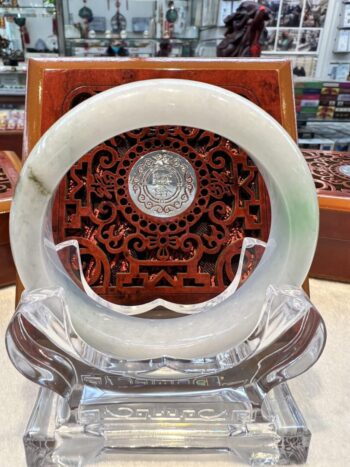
<point x="11" y="132"/>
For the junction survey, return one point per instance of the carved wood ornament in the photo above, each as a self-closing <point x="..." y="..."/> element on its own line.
<point x="331" y="171"/>
<point x="130" y="256"/>
<point x="8" y="174"/>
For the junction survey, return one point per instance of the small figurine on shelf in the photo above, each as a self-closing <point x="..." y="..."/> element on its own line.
<point x="118" y="50"/>
<point x="118" y="22"/>
<point x="87" y="16"/>
<point x="21" y="23"/>
<point x="123" y="50"/>
<point x="164" y="48"/>
<point x="8" y="53"/>
<point x="4" y="44"/>
<point x="85" y="13"/>
<point x="244" y="28"/>
<point x="171" y="18"/>
<point x="171" y="14"/>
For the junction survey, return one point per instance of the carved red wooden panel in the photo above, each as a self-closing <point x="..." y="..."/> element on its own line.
<point x="8" y="175"/>
<point x="9" y="169"/>
<point x="130" y="256"/>
<point x="5" y="184"/>
<point x="331" y="171"/>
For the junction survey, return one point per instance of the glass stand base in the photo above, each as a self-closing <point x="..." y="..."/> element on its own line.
<point x="221" y="421"/>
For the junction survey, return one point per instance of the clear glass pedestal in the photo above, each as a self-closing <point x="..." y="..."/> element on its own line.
<point x="237" y="402"/>
<point x="215" y="421"/>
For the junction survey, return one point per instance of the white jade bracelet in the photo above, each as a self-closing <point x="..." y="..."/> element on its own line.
<point x="289" y="250"/>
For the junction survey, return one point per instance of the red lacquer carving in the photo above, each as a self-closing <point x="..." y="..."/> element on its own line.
<point x="327" y="168"/>
<point x="8" y="176"/>
<point x="5" y="183"/>
<point x="130" y="257"/>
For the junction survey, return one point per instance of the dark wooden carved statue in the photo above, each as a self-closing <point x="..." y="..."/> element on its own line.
<point x="244" y="28"/>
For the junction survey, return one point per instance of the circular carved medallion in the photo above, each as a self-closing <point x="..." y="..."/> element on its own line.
<point x="345" y="170"/>
<point x="162" y="184"/>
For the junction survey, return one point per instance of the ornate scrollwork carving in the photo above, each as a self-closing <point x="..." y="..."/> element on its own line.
<point x="187" y="254"/>
<point x="5" y="183"/>
<point x="330" y="170"/>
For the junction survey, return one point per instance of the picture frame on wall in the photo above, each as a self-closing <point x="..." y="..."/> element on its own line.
<point x="304" y="66"/>
<point x="291" y="13"/>
<point x="287" y="40"/>
<point x="343" y="39"/>
<point x="309" y="40"/>
<point x="346" y="16"/>
<point x="343" y="71"/>
<point x="274" y="8"/>
<point x="315" y="13"/>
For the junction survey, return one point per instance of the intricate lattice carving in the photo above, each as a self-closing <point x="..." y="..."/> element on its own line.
<point x="132" y="257"/>
<point x="8" y="176"/>
<point x="330" y="170"/>
<point x="5" y="183"/>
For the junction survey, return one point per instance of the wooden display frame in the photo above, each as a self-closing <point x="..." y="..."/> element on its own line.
<point x="268" y="83"/>
<point x="10" y="166"/>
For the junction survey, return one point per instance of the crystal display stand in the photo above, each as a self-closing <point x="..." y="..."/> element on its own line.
<point x="212" y="377"/>
<point x="236" y="402"/>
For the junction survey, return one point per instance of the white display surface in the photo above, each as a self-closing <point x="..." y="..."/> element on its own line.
<point x="321" y="402"/>
<point x="294" y="207"/>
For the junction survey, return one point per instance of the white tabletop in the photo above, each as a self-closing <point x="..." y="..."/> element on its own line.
<point x="322" y="394"/>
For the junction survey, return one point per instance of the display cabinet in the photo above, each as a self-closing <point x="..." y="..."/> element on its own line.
<point x="335" y="59"/>
<point x="27" y="27"/>
<point x="12" y="100"/>
<point x="188" y="28"/>
<point x="131" y="28"/>
<point x="323" y="112"/>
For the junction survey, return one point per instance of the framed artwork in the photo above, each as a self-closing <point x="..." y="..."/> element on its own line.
<point x="315" y="13"/>
<point x="342" y="44"/>
<point x="287" y="40"/>
<point x="346" y="16"/>
<point x="291" y="13"/>
<point x="295" y="26"/>
<point x="304" y="66"/>
<point x="274" y="7"/>
<point x="309" y="40"/>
